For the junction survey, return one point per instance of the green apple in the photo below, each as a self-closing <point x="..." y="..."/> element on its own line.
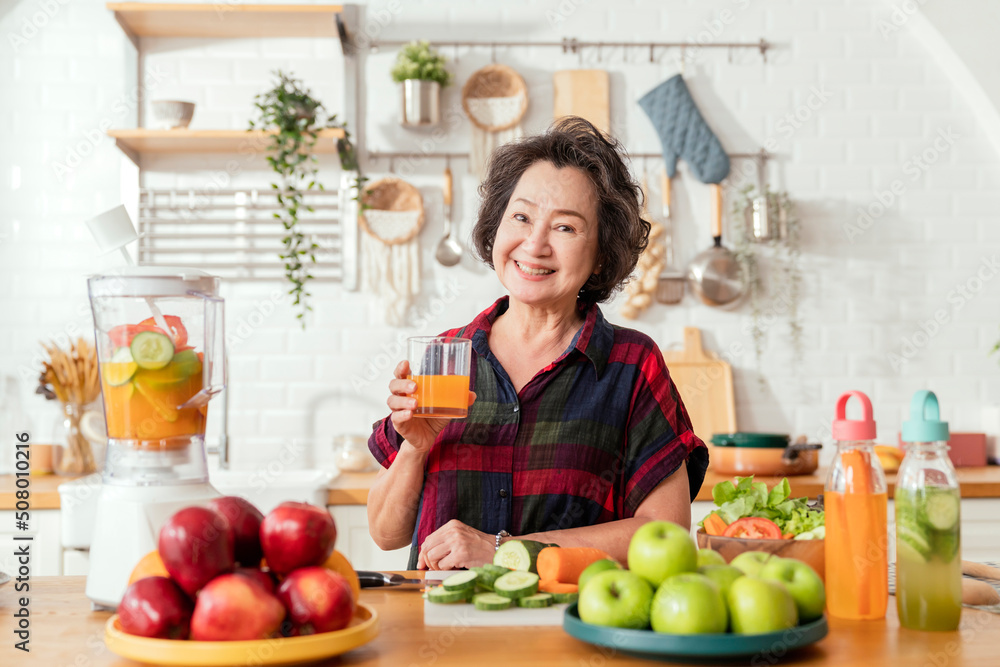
<point x="616" y="598"/>
<point x="750" y="562"/>
<point x="688" y="604"/>
<point x="660" y="549"/>
<point x="760" y="605"/>
<point x="596" y="567"/>
<point x="710" y="557"/>
<point x="801" y="581"/>
<point x="722" y="575"/>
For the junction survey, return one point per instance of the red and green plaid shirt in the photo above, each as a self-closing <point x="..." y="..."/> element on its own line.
<point x="584" y="442"/>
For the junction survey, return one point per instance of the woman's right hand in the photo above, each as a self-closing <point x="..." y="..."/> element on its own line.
<point x="420" y="432"/>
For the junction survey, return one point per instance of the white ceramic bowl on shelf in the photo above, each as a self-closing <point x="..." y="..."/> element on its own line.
<point x="172" y="114"/>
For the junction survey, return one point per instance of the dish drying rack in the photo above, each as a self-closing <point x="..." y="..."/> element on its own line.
<point x="232" y="233"/>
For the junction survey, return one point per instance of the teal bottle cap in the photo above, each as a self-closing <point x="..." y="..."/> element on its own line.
<point x="925" y="423"/>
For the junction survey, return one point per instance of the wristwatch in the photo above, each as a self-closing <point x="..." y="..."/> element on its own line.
<point x="502" y="534"/>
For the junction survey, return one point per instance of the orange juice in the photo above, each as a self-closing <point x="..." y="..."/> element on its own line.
<point x="143" y="405"/>
<point x="441" y="395"/>
<point x="857" y="564"/>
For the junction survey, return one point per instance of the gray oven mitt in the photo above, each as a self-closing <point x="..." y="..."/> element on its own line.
<point x="683" y="132"/>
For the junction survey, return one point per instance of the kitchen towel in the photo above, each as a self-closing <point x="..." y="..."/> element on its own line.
<point x="683" y="132"/>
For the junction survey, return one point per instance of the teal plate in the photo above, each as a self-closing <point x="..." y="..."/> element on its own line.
<point x="648" y="644"/>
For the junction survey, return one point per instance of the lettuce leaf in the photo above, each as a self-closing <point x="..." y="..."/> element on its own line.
<point x="750" y="498"/>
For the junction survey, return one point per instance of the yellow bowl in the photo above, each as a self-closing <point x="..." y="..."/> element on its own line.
<point x="279" y="651"/>
<point x="810" y="552"/>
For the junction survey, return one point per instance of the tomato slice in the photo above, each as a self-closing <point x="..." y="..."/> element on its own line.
<point x="178" y="332"/>
<point x="754" y="528"/>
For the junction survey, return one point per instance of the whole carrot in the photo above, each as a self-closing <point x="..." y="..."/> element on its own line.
<point x="564" y="564"/>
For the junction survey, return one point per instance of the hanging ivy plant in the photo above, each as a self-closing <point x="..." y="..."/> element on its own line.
<point x="297" y="117"/>
<point x="784" y="293"/>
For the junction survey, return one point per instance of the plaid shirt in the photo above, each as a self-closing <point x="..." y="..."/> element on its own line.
<point x="583" y="443"/>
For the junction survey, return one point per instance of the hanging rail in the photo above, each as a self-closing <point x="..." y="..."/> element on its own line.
<point x="762" y="154"/>
<point x="573" y="45"/>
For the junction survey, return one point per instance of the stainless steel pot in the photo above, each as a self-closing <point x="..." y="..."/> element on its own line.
<point x="421" y="103"/>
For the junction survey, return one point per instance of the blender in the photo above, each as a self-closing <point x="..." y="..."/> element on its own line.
<point x="160" y="345"/>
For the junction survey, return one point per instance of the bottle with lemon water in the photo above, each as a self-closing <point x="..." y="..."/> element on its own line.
<point x="928" y="504"/>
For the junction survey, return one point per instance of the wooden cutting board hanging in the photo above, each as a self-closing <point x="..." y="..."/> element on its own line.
<point x="705" y="383"/>
<point x="584" y="93"/>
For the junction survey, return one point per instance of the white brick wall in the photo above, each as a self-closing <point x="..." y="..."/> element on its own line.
<point x="863" y="299"/>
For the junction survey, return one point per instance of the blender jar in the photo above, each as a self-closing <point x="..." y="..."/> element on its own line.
<point x="160" y="336"/>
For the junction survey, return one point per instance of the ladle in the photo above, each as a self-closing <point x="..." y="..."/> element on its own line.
<point x="449" y="251"/>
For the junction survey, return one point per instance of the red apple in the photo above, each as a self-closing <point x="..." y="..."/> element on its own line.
<point x="234" y="607"/>
<point x="297" y="535"/>
<point x="196" y="544"/>
<point x="317" y="599"/>
<point x="245" y="520"/>
<point x="156" y="607"/>
<point x="263" y="578"/>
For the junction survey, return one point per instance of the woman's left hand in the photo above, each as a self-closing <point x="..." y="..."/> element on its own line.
<point x="455" y="545"/>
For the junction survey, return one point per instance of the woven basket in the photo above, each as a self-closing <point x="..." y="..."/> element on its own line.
<point x="491" y="82"/>
<point x="394" y="195"/>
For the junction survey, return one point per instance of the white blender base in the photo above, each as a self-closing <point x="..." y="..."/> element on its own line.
<point x="128" y="525"/>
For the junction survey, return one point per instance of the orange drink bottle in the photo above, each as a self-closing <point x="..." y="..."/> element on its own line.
<point x="856" y="543"/>
<point x="928" y="513"/>
<point x="440" y="366"/>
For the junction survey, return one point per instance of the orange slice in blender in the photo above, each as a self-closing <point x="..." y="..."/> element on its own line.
<point x="158" y="399"/>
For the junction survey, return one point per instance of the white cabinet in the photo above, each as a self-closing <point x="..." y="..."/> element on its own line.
<point x="45" y="548"/>
<point x="355" y="542"/>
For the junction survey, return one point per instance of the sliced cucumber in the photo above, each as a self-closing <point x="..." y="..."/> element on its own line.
<point x="439" y="595"/>
<point x="152" y="350"/>
<point x="516" y="584"/>
<point x="535" y="601"/>
<point x="463" y="581"/>
<point x="560" y="598"/>
<point x="940" y="510"/>
<point x="518" y="555"/>
<point x="491" y="602"/>
<point x="485" y="578"/>
<point x="946" y="545"/>
<point x="915" y="538"/>
<point x="495" y="570"/>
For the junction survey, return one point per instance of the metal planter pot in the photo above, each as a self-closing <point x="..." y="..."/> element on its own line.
<point x="421" y="103"/>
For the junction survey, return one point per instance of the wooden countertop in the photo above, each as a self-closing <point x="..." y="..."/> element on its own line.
<point x="64" y="631"/>
<point x="352" y="488"/>
<point x="981" y="482"/>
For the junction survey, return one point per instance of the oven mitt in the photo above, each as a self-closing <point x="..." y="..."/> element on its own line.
<point x="683" y="132"/>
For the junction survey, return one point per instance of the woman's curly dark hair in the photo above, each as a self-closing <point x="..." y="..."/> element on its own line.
<point x="572" y="142"/>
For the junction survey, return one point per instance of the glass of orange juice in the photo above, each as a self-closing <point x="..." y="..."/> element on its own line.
<point x="440" y="367"/>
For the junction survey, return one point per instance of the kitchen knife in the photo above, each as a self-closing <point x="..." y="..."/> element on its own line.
<point x="392" y="580"/>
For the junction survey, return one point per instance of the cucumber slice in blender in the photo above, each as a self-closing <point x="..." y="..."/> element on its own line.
<point x="152" y="350"/>
<point x="940" y="511"/>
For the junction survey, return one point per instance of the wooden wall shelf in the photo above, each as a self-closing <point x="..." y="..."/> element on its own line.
<point x="221" y="19"/>
<point x="135" y="143"/>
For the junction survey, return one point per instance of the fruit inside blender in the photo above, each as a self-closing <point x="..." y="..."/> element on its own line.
<point x="150" y="374"/>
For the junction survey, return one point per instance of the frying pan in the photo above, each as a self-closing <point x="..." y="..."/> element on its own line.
<point x="714" y="273"/>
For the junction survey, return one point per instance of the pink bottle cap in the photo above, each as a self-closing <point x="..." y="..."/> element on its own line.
<point x="854" y="429"/>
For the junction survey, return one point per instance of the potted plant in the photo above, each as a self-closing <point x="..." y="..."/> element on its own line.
<point x="297" y="117"/>
<point x="420" y="70"/>
<point x="780" y="298"/>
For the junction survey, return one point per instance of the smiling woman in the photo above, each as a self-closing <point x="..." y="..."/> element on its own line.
<point x="575" y="431"/>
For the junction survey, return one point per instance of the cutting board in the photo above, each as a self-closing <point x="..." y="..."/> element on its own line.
<point x="705" y="383"/>
<point x="584" y="93"/>
<point x="465" y="614"/>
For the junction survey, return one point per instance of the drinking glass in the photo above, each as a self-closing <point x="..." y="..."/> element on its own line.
<point x="440" y="367"/>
